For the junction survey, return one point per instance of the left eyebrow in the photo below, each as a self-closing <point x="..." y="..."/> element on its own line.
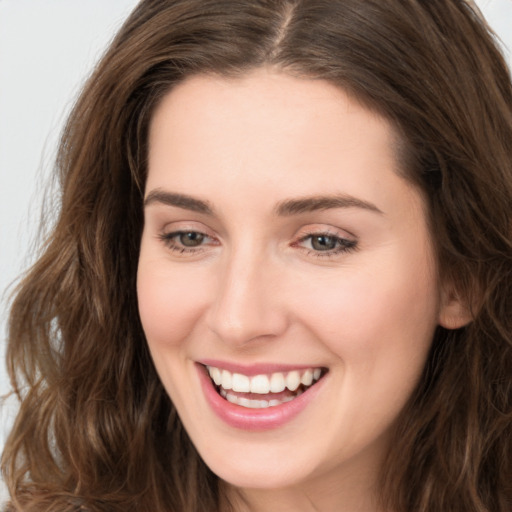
<point x="316" y="203"/>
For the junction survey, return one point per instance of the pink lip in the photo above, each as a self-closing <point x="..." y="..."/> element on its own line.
<point x="253" y="369"/>
<point x="255" y="419"/>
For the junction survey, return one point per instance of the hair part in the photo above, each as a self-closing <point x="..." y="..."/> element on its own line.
<point x="96" y="430"/>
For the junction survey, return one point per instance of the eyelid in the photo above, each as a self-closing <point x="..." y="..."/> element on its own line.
<point x="171" y="242"/>
<point x="326" y="230"/>
<point x="169" y="234"/>
<point x="186" y="225"/>
<point x="345" y="242"/>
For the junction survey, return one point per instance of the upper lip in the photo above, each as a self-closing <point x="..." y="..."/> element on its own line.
<point x="256" y="369"/>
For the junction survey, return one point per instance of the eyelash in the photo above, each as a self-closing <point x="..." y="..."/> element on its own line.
<point x="344" y="245"/>
<point x="169" y="241"/>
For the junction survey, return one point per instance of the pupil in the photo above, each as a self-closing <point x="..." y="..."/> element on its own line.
<point x="191" y="239"/>
<point x="323" y="243"/>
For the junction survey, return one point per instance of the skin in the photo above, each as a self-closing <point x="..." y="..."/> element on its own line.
<point x="256" y="289"/>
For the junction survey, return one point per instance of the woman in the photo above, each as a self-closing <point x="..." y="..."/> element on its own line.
<point x="281" y="275"/>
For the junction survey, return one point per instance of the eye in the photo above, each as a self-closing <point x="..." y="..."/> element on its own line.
<point x="191" y="238"/>
<point x="186" y="241"/>
<point x="325" y="244"/>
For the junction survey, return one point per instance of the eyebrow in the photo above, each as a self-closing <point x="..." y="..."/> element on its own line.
<point x="179" y="200"/>
<point x="318" y="203"/>
<point x="285" y="208"/>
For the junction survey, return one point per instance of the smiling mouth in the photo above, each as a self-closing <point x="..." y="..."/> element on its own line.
<point x="264" y="390"/>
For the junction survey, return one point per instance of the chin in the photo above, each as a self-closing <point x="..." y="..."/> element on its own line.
<point x="249" y="474"/>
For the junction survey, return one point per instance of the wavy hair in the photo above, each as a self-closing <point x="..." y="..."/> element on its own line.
<point x="95" y="429"/>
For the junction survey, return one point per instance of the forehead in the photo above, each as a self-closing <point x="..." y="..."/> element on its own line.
<point x="248" y="145"/>
<point x="265" y="118"/>
<point x="260" y="92"/>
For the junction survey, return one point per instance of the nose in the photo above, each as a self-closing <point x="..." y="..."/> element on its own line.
<point x="247" y="306"/>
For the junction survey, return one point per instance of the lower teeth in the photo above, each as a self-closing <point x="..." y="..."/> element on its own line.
<point x="256" y="404"/>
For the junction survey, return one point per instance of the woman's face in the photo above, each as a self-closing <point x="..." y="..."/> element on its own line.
<point x="281" y="248"/>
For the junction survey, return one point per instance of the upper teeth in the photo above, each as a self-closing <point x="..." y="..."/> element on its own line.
<point x="263" y="384"/>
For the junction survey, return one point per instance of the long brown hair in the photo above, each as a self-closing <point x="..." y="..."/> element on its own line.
<point x="96" y="430"/>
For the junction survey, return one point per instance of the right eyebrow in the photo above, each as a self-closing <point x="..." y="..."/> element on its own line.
<point x="179" y="200"/>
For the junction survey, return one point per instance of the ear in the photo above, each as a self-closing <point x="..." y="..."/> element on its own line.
<point x="454" y="312"/>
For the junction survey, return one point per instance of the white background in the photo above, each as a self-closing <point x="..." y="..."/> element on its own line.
<point x="47" y="48"/>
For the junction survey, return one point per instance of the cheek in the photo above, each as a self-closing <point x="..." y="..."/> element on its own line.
<point x="169" y="304"/>
<point x="383" y="313"/>
<point x="378" y="326"/>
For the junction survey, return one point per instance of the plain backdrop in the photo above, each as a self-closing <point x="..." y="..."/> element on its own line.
<point x="47" y="49"/>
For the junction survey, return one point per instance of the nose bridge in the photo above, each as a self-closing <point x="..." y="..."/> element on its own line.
<point x="246" y="305"/>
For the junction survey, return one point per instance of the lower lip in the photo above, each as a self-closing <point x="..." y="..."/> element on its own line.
<point x="255" y="419"/>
